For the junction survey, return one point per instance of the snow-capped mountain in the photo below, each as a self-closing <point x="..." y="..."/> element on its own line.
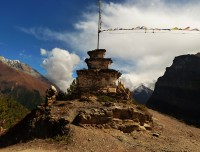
<point x="142" y="93"/>
<point x="22" y="82"/>
<point x="17" y="65"/>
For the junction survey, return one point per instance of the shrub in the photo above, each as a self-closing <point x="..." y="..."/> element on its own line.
<point x="62" y="96"/>
<point x="139" y="106"/>
<point x="65" y="138"/>
<point x="105" y="98"/>
<point x="72" y="92"/>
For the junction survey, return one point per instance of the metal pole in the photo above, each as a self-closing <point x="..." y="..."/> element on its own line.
<point x="99" y="23"/>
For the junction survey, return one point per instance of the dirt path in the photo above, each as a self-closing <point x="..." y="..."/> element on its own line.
<point x="174" y="136"/>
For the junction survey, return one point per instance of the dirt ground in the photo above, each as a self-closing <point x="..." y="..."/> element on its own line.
<point x="168" y="135"/>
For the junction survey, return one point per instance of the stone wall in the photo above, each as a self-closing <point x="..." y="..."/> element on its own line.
<point x="100" y="53"/>
<point x="98" y="63"/>
<point x="95" y="80"/>
<point x="98" y="78"/>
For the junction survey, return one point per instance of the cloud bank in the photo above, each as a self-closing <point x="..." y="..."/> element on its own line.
<point x="141" y="57"/>
<point x="59" y="65"/>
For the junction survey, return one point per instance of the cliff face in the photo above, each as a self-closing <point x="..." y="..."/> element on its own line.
<point x="177" y="92"/>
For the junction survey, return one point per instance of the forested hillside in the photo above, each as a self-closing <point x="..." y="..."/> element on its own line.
<point x="10" y="112"/>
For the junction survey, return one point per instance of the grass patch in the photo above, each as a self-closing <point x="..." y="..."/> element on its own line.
<point x="105" y="99"/>
<point x="139" y="106"/>
<point x="65" y="138"/>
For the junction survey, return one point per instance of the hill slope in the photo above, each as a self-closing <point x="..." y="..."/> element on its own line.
<point x="23" y="83"/>
<point x="174" y="136"/>
<point x="10" y="112"/>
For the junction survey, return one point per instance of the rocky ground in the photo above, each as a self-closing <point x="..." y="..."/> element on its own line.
<point x="166" y="134"/>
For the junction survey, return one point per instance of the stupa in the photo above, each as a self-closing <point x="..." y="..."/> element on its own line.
<point x="98" y="78"/>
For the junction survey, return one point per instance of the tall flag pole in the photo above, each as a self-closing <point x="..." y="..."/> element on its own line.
<point x="99" y="23"/>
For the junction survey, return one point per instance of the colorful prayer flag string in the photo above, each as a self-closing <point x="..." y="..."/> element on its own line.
<point x="151" y="29"/>
<point x="185" y="30"/>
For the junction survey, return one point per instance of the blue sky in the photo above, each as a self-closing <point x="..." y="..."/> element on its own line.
<point x="58" y="15"/>
<point x="66" y="29"/>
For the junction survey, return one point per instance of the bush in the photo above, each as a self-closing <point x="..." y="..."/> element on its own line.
<point x="65" y="138"/>
<point x="62" y="96"/>
<point x="139" y="106"/>
<point x="72" y="92"/>
<point x="104" y="98"/>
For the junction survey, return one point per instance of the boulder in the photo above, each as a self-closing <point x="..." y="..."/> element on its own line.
<point x="124" y="118"/>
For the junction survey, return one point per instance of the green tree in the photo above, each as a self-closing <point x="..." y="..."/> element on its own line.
<point x="72" y="92"/>
<point x="10" y="112"/>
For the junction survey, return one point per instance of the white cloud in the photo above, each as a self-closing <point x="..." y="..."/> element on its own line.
<point x="59" y="65"/>
<point x="43" y="51"/>
<point x="25" y="55"/>
<point x="142" y="57"/>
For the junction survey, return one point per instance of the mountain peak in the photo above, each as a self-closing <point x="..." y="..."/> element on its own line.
<point x="3" y="59"/>
<point x="141" y="88"/>
<point x="11" y="63"/>
<point x="21" y="82"/>
<point x="142" y="93"/>
<point x="17" y="65"/>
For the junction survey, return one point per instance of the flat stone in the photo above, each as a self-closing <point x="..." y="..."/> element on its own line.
<point x="147" y="126"/>
<point x="156" y="134"/>
<point x="141" y="128"/>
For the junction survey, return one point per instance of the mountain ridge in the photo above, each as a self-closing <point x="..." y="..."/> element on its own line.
<point x="22" y="82"/>
<point x="18" y="65"/>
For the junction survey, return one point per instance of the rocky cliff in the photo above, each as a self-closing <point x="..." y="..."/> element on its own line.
<point x="177" y="92"/>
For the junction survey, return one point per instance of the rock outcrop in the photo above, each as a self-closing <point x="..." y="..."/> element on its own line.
<point x="177" y="92"/>
<point x="51" y="94"/>
<point x="50" y="121"/>
<point x="37" y="124"/>
<point x="123" y="118"/>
